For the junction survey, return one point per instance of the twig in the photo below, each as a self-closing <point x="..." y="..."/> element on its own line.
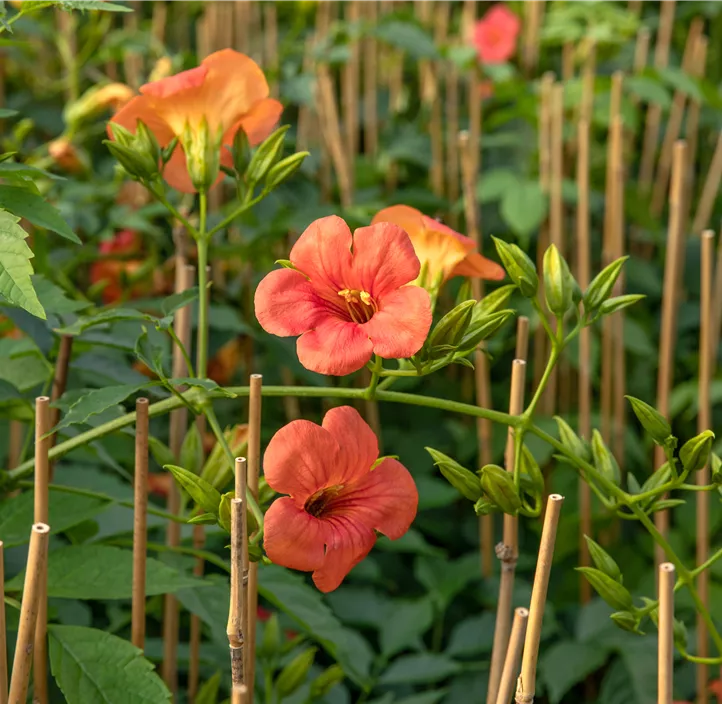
<point x="3" y="633"/>
<point x="35" y="576"/>
<point x="140" y="523"/>
<point x="526" y="685"/>
<point x="513" y="655"/>
<point x="42" y="478"/>
<point x="665" y="652"/>
<point x="508" y="550"/>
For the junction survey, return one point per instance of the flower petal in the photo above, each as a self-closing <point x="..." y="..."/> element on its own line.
<point x="140" y="108"/>
<point x="383" y="259"/>
<point x="301" y="459"/>
<point x="335" y="347"/>
<point x="348" y="542"/>
<point x="287" y="305"/>
<point x="480" y="267"/>
<point x="172" y="85"/>
<point x="440" y="252"/>
<point x="358" y="443"/>
<point x="386" y="500"/>
<point x="407" y="218"/>
<point x="323" y="253"/>
<point x="402" y="323"/>
<point x="293" y="538"/>
<point x="258" y="123"/>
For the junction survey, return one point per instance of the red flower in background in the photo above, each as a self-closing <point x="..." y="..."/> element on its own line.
<point x="124" y="243"/>
<point x="337" y="497"/>
<point x="495" y="35"/>
<point x="347" y="297"/>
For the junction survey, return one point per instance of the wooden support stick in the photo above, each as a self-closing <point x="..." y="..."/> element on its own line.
<point x="370" y="79"/>
<point x="665" y="652"/>
<point x="513" y="656"/>
<point x="60" y="381"/>
<point x="716" y="330"/>
<point x="185" y="276"/>
<point x="533" y="13"/>
<point x="140" y="523"/>
<point x="526" y="685"/>
<point x="35" y="577"/>
<point x="270" y="45"/>
<point x="709" y="190"/>
<point x="3" y="633"/>
<point x="15" y="446"/>
<point x="42" y="480"/>
<point x="350" y="91"/>
<point x="672" y="273"/>
<point x="254" y="471"/>
<point x="704" y="422"/>
<point x="522" y="338"/>
<point x="508" y="550"/>
<point x="452" y="141"/>
<point x="237" y="616"/>
<point x="692" y="124"/>
<point x="240" y="695"/>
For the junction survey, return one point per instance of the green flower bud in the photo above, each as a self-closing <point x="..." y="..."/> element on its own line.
<point x="271" y="642"/>
<point x="601" y="286"/>
<point x="483" y="328"/>
<point x="203" y="154"/>
<point x="483" y="507"/>
<point x="266" y="156"/>
<point x="656" y="425"/>
<point x="284" y="169"/>
<point x="609" y="589"/>
<point x="199" y="490"/>
<point x="191" y="454"/>
<point x="161" y="452"/>
<point x="627" y="621"/>
<point x="571" y="440"/>
<point x="603" y="560"/>
<point x="241" y="151"/>
<point x="217" y="470"/>
<point x="121" y="135"/>
<point x="138" y="166"/>
<point x="464" y="481"/>
<point x="146" y="143"/>
<point x="679" y="631"/>
<point x="614" y="304"/>
<point x="520" y="268"/>
<point x="498" y="485"/>
<point x="603" y="459"/>
<point x="204" y="519"/>
<point x="695" y="452"/>
<point x="716" y="469"/>
<point x="558" y="282"/>
<point x="450" y="329"/>
<point x="294" y="674"/>
<point x="326" y="681"/>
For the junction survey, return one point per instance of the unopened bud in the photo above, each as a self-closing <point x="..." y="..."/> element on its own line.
<point x="198" y="489"/>
<point x="191" y="454"/>
<point x="626" y="620"/>
<point x="241" y="151"/>
<point x="451" y="328"/>
<point x="609" y="589"/>
<point x="464" y="481"/>
<point x="520" y="268"/>
<point x="498" y="485"/>
<point x="601" y="286"/>
<point x="266" y="156"/>
<point x="604" y="460"/>
<point x="483" y="328"/>
<point x="716" y="469"/>
<point x="294" y="674"/>
<point x="558" y="282"/>
<point x="271" y="641"/>
<point x="571" y="440"/>
<point x="603" y="560"/>
<point x="652" y="420"/>
<point x="326" y="681"/>
<point x="695" y="452"/>
<point x="284" y="169"/>
<point x="203" y="154"/>
<point x="612" y="305"/>
<point x="491" y="302"/>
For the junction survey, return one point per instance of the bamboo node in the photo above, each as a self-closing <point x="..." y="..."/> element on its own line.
<point x="505" y="554"/>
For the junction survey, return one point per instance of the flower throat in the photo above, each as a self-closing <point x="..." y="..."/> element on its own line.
<point x="359" y="304"/>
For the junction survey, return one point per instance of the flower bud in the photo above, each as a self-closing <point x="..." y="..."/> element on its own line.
<point x="483" y="328"/>
<point x="294" y="674"/>
<point x="558" y="282"/>
<point x="656" y="425"/>
<point x="695" y="452"/>
<point x="241" y="151"/>
<point x="609" y="589"/>
<point x="284" y="169"/>
<point x="271" y="641"/>
<point x="146" y="143"/>
<point x="679" y="631"/>
<point x="571" y="440"/>
<point x="224" y="511"/>
<point x="204" y="519"/>
<point x="451" y="328"/>
<point x="161" y="452"/>
<point x="266" y="155"/>
<point x="203" y="154"/>
<point x="498" y="485"/>
<point x="217" y="470"/>
<point x="601" y="286"/>
<point x="614" y="304"/>
<point x="520" y="268"/>
<point x="326" y="681"/>
<point x="716" y="469"/>
<point x="464" y="481"/>
<point x="96" y="100"/>
<point x="191" y="454"/>
<point x="199" y="490"/>
<point x="531" y="467"/>
<point x="483" y="507"/>
<point x="626" y="620"/>
<point x="137" y="166"/>
<point x="603" y="560"/>
<point x="604" y="460"/>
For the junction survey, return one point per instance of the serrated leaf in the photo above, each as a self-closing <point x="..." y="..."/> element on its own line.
<point x="97" y="401"/>
<point x="178" y="300"/>
<point x="13" y="170"/>
<point x="205" y="384"/>
<point x="405" y="623"/>
<point x="420" y="669"/>
<point x="103" y="572"/>
<point x="53" y="298"/>
<point x="15" y="268"/>
<point x="113" y="315"/>
<point x="567" y="663"/>
<point x="95" y="667"/>
<point x="33" y="207"/>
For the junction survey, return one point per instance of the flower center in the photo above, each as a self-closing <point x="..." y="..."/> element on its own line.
<point x="316" y="504"/>
<point x="359" y="304"/>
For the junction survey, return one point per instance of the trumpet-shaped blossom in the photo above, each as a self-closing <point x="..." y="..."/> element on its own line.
<point x="347" y="297"/>
<point x="338" y="496"/>
<point x="226" y="92"/>
<point x="495" y="35"/>
<point x="442" y="252"/>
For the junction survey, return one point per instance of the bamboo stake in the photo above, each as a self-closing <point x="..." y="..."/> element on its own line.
<point x="254" y="470"/>
<point x="533" y="12"/>
<point x="240" y="695"/>
<point x="522" y="338"/>
<point x="3" y="633"/>
<point x="270" y="44"/>
<point x="513" y="655"/>
<point x="350" y="91"/>
<point x="42" y="479"/>
<point x="704" y="422"/>
<point x="15" y="447"/>
<point x="482" y="380"/>
<point x="430" y="98"/>
<point x="159" y="20"/>
<point x="396" y="86"/>
<point x="709" y="190"/>
<point x="238" y="613"/>
<point x="588" y="75"/>
<point x="185" y="276"/>
<point x="674" y="124"/>
<point x="60" y="381"/>
<point x="508" y="550"/>
<point x="716" y="333"/>
<point x="585" y="382"/>
<point x="35" y="576"/>
<point x="665" y="652"/>
<point x="242" y="26"/>
<point x="452" y="142"/>
<point x="140" y="523"/>
<point x="672" y="272"/>
<point x="370" y="78"/>
<point x="526" y="685"/>
<point x="133" y="61"/>
<point x="474" y="97"/>
<point x="692" y="126"/>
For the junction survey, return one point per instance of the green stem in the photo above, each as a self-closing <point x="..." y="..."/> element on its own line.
<point x="376" y="371"/>
<point x="209" y="557"/>
<point x="236" y="213"/>
<point x="707" y="563"/>
<point x="182" y="348"/>
<point x="174" y="211"/>
<point x="202" y="245"/>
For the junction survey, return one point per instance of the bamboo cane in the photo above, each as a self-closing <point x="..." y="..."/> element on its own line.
<point x="526" y="685"/>
<point x="370" y="79"/>
<point x="60" y="381"/>
<point x="240" y="695"/>
<point x="431" y="74"/>
<point x="534" y="12"/>
<point x="513" y="656"/>
<point x="350" y="91"/>
<point x="35" y="577"/>
<point x="158" y="21"/>
<point x="522" y="338"/>
<point x="452" y="141"/>
<point x="665" y="652"/>
<point x="270" y="44"/>
<point x="716" y="328"/>
<point x="692" y="123"/>
<point x="709" y="190"/>
<point x="3" y="633"/>
<point x="15" y="446"/>
<point x="508" y="550"/>
<point x="140" y="523"/>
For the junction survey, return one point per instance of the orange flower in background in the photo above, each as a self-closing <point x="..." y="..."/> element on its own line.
<point x="65" y="155"/>
<point x="226" y="92"/>
<point x="160" y="483"/>
<point x="715" y="687"/>
<point x="224" y="364"/>
<point x="441" y="251"/>
<point x="338" y="496"/>
<point x="124" y="243"/>
<point x="495" y="35"/>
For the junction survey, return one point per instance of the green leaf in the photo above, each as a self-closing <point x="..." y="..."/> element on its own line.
<point x="53" y="298"/>
<point x="409" y="37"/>
<point x="103" y="572"/>
<point x="565" y="664"/>
<point x="178" y="300"/>
<point x="648" y="90"/>
<point x="97" y="401"/>
<point x="205" y="384"/>
<point x="113" y="315"/>
<point x="494" y="184"/>
<point x="524" y="207"/>
<point x="208" y="693"/>
<point x="14" y="171"/>
<point x="200" y="490"/>
<point x="423" y="668"/>
<point x="65" y="511"/>
<point x="95" y="667"/>
<point x="473" y="636"/>
<point x="20" y="201"/>
<point x="405" y="623"/>
<point x="15" y="267"/>
<point x="679" y="80"/>
<point x="84" y="5"/>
